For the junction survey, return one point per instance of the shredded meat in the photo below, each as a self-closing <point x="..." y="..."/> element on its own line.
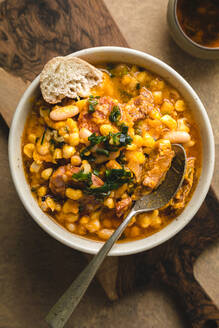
<point x="157" y="167"/>
<point x="85" y="121"/>
<point x="60" y="178"/>
<point x="96" y="181"/>
<point x="122" y="206"/>
<point x="91" y="121"/>
<point x="179" y="200"/>
<point x="140" y="106"/>
<point x="136" y="168"/>
<point x="103" y="109"/>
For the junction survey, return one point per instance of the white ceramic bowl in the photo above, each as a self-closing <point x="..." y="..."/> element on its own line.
<point x="112" y="54"/>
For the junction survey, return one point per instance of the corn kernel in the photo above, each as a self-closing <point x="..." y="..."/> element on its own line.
<point x="68" y="151"/>
<point x="58" y="207"/>
<point x="126" y="79"/>
<point x="109" y="202"/>
<point x="95" y="215"/>
<point x="28" y="150"/>
<point x="84" y="220"/>
<point x="112" y="164"/>
<point x="71" y="217"/>
<point x="144" y="220"/>
<point x="121" y="69"/>
<point x="143" y="77"/>
<point x="147" y="150"/>
<point x="148" y="141"/>
<point x="81" y="104"/>
<point x="138" y="157"/>
<point x="134" y="68"/>
<point x="131" y="131"/>
<point x="34" y="167"/>
<point x="133" y="220"/>
<point x="63" y="130"/>
<point x="42" y="191"/>
<point x="86" y="167"/>
<point x="155" y="115"/>
<point x="81" y="230"/>
<point x="105" y="233"/>
<point x="57" y="154"/>
<point x="74" y="194"/>
<point x="50" y="203"/>
<point x="132" y="83"/>
<point x="180" y="105"/>
<point x="158" y="97"/>
<point x="42" y="149"/>
<point x="42" y="205"/>
<point x="59" y="125"/>
<point x="45" y="174"/>
<point x="167" y="107"/>
<point x="138" y="140"/>
<point x="134" y="231"/>
<point x="93" y="226"/>
<point x="37" y="157"/>
<point x="157" y="84"/>
<point x="131" y="147"/>
<point x="72" y="125"/>
<point x="156" y="222"/>
<point x="190" y="143"/>
<point x="169" y="122"/>
<point x="74" y="139"/>
<point x="66" y="138"/>
<point x="155" y="213"/>
<point x="76" y="160"/>
<point x="105" y="129"/>
<point x="71" y="227"/>
<point x="32" y="138"/>
<point x="174" y="94"/>
<point x="70" y="206"/>
<point x="163" y="143"/>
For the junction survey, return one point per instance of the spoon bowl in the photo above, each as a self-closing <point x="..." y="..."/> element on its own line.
<point x="168" y="188"/>
<point x="61" y="311"/>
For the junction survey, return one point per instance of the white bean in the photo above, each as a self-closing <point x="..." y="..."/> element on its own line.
<point x="43" y="149"/>
<point x="177" y="136"/>
<point x="105" y="233"/>
<point x="84" y="134"/>
<point x="182" y="125"/>
<point x="62" y="113"/>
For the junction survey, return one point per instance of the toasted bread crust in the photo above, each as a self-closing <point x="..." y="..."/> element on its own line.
<point x="67" y="77"/>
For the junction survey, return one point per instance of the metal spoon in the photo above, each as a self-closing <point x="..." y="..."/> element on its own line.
<point x="61" y="311"/>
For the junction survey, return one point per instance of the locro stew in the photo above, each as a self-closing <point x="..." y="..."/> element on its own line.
<point x="88" y="159"/>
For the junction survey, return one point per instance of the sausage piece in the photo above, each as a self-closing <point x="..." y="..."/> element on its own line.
<point x="122" y="206"/>
<point x="61" y="177"/>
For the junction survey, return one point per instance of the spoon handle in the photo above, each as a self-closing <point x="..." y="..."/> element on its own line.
<point x="61" y="311"/>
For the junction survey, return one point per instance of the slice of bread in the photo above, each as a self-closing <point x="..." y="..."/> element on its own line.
<point x="67" y="77"/>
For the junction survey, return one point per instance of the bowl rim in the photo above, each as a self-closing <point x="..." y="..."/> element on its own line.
<point x="131" y="247"/>
<point x="193" y="43"/>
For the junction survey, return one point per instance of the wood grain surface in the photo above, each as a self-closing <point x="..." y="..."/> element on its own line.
<point x="172" y="264"/>
<point x="31" y="32"/>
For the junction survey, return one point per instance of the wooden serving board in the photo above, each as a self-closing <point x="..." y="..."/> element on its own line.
<point x="32" y="32"/>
